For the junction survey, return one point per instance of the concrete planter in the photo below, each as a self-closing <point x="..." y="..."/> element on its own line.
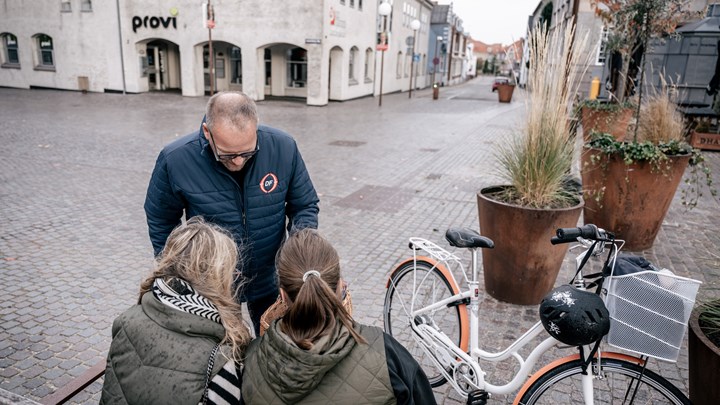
<point x="523" y="266"/>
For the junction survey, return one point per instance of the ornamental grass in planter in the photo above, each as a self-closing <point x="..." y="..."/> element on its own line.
<point x="628" y="186"/>
<point x="522" y="215"/>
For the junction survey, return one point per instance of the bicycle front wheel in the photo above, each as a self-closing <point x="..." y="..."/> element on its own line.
<point x="425" y="284"/>
<point x="619" y="382"/>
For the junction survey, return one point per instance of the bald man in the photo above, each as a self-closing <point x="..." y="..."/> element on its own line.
<point x="246" y="177"/>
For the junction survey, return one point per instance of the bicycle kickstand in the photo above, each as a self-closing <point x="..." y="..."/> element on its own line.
<point x="477" y="397"/>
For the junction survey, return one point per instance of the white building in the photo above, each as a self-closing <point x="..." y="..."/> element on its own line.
<point x="316" y="49"/>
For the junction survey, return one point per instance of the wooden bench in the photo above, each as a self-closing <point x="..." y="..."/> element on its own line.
<point x="65" y="393"/>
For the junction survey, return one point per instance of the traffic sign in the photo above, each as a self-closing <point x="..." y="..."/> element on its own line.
<point x="416" y="57"/>
<point x="436" y="61"/>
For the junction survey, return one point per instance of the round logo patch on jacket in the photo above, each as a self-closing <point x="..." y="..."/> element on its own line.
<point x="268" y="183"/>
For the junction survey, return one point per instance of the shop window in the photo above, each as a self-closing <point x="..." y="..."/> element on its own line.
<point x="352" y="65"/>
<point x="10" y="51"/>
<point x="368" y="63"/>
<point x="602" y="47"/>
<point x="268" y="67"/>
<point x="220" y="68"/>
<point x="45" y="52"/>
<point x="65" y="6"/>
<point x="296" y="67"/>
<point x="235" y="65"/>
<point x="86" y="5"/>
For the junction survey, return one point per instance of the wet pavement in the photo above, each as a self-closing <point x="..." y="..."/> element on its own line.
<point x="74" y="247"/>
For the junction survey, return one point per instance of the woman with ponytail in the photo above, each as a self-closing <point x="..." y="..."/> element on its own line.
<point x="316" y="353"/>
<point x="184" y="340"/>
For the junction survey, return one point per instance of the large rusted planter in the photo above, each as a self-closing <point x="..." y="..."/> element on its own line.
<point x="629" y="200"/>
<point x="610" y="122"/>
<point x="523" y="266"/>
<point x="505" y="92"/>
<point x="704" y="364"/>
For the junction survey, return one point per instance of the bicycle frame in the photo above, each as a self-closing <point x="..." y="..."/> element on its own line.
<point x="446" y="355"/>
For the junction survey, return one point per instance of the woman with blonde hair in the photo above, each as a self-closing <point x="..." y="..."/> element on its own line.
<point x="316" y="353"/>
<point x="184" y="340"/>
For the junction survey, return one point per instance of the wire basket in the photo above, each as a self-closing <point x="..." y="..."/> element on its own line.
<point x="649" y="312"/>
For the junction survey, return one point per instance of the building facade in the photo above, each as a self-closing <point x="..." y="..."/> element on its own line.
<point x="319" y="50"/>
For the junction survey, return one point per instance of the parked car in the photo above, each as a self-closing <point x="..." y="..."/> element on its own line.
<point x="500" y="80"/>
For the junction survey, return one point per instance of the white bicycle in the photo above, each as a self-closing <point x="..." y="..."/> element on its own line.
<point x="426" y="311"/>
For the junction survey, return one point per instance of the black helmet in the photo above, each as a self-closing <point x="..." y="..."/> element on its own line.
<point x="574" y="317"/>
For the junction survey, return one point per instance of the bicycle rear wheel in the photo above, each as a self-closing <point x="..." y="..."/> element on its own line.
<point x="429" y="285"/>
<point x="620" y="383"/>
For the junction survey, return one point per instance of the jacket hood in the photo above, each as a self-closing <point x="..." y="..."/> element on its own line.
<point x="292" y="372"/>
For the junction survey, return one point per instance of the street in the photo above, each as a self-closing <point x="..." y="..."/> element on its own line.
<point x="74" y="246"/>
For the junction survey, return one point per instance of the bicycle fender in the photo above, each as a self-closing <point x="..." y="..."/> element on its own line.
<point x="530" y="381"/>
<point x="464" y="318"/>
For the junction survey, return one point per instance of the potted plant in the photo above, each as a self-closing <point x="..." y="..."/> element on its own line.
<point x="704" y="353"/>
<point x="704" y="136"/>
<point x="629" y="184"/>
<point x="522" y="215"/>
<point x="606" y="116"/>
<point x="504" y="89"/>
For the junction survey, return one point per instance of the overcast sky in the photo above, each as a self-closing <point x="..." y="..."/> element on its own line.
<point x="493" y="21"/>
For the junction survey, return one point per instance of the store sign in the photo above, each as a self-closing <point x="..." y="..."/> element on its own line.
<point x="153" y="22"/>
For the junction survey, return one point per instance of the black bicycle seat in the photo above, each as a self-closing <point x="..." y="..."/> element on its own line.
<point x="467" y="238"/>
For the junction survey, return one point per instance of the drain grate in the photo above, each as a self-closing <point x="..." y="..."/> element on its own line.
<point x="434" y="176"/>
<point x="377" y="198"/>
<point x="351" y="144"/>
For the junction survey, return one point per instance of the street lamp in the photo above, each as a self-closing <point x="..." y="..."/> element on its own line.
<point x="384" y="9"/>
<point x="436" y="63"/>
<point x="415" y="26"/>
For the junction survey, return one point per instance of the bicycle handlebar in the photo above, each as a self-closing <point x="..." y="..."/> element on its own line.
<point x="567" y="235"/>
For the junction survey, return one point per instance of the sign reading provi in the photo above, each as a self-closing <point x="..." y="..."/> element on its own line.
<point x="153" y="22"/>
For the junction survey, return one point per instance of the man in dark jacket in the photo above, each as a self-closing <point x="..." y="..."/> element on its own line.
<point x="248" y="178"/>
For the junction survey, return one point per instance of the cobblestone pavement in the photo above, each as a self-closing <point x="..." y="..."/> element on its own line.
<point x="74" y="169"/>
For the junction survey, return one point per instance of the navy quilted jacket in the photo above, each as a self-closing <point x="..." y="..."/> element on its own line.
<point x="276" y="185"/>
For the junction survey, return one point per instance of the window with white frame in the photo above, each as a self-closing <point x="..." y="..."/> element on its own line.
<point x="399" y="68"/>
<point x="10" y="50"/>
<point x="86" y="5"/>
<point x="65" y="6"/>
<point x="235" y="65"/>
<point x="45" y="52"/>
<point x="368" y="63"/>
<point x="602" y="46"/>
<point x="351" y="64"/>
<point x="296" y="67"/>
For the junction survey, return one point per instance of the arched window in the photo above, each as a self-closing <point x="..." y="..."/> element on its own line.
<point x="399" y="70"/>
<point x="408" y="64"/>
<point x="352" y="65"/>
<point x="368" y="63"/>
<point x="296" y="67"/>
<point x="10" y="50"/>
<point x="235" y="65"/>
<point x="45" y="52"/>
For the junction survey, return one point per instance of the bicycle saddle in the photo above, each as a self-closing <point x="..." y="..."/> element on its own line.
<point x="467" y="238"/>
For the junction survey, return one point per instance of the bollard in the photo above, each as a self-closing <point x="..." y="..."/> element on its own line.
<point x="436" y="91"/>
<point x="594" y="88"/>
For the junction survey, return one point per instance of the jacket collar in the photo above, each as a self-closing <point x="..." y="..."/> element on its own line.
<point x="178" y="321"/>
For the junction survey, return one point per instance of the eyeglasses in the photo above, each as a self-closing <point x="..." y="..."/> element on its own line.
<point x="226" y="157"/>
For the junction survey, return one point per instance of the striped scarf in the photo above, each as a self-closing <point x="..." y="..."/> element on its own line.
<point x="182" y="296"/>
